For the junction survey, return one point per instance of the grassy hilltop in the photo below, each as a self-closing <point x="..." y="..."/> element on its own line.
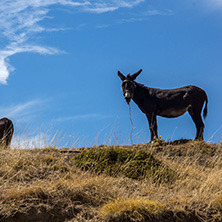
<point x="178" y="181"/>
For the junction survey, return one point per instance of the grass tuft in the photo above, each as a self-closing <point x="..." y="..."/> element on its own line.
<point x="131" y="163"/>
<point x="134" y="210"/>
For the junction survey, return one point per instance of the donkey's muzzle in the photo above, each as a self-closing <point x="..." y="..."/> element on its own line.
<point x="128" y="97"/>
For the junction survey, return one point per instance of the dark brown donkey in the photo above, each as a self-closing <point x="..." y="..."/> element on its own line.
<point x="6" y="132"/>
<point x="165" y="102"/>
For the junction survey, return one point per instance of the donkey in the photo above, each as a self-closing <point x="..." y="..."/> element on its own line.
<point x="167" y="103"/>
<point x="6" y="132"/>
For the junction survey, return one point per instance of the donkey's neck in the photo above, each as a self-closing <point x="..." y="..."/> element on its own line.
<point x="140" y="93"/>
<point x="143" y="98"/>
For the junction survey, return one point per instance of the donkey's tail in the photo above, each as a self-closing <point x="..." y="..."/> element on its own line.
<point x="205" y="108"/>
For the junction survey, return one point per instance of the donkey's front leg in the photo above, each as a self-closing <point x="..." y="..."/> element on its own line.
<point x="152" y="125"/>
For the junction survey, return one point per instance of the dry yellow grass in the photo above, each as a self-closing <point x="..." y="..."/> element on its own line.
<point x="45" y="185"/>
<point x="138" y="209"/>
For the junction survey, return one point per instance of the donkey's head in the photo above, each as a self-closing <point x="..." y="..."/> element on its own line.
<point x="128" y="85"/>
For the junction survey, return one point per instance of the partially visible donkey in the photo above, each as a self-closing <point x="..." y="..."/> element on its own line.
<point x="165" y="102"/>
<point x="6" y="132"/>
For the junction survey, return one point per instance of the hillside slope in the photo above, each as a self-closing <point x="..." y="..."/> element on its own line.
<point x="178" y="181"/>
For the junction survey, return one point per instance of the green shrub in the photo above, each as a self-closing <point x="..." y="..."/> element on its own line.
<point x="114" y="161"/>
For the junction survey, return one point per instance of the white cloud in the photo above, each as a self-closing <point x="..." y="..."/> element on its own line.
<point x="19" y="22"/>
<point x="13" y="48"/>
<point x="4" y="69"/>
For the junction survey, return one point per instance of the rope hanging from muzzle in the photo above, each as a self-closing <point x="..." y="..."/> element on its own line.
<point x="133" y="127"/>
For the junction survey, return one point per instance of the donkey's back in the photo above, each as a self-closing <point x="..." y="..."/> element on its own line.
<point x="175" y="102"/>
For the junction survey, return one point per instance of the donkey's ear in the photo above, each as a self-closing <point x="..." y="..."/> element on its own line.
<point x="133" y="77"/>
<point x="121" y="76"/>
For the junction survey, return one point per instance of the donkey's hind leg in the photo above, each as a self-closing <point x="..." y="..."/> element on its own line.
<point x="196" y="117"/>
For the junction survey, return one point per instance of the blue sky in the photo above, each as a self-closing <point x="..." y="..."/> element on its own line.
<point x="59" y="61"/>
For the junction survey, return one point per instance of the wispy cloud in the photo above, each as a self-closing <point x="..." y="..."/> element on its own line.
<point x="23" y="112"/>
<point x="153" y="12"/>
<point x="23" y="116"/>
<point x="27" y="133"/>
<point x="143" y="16"/>
<point x="14" y="48"/>
<point x="20" y="22"/>
<point x="111" y="5"/>
<point x="83" y="117"/>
